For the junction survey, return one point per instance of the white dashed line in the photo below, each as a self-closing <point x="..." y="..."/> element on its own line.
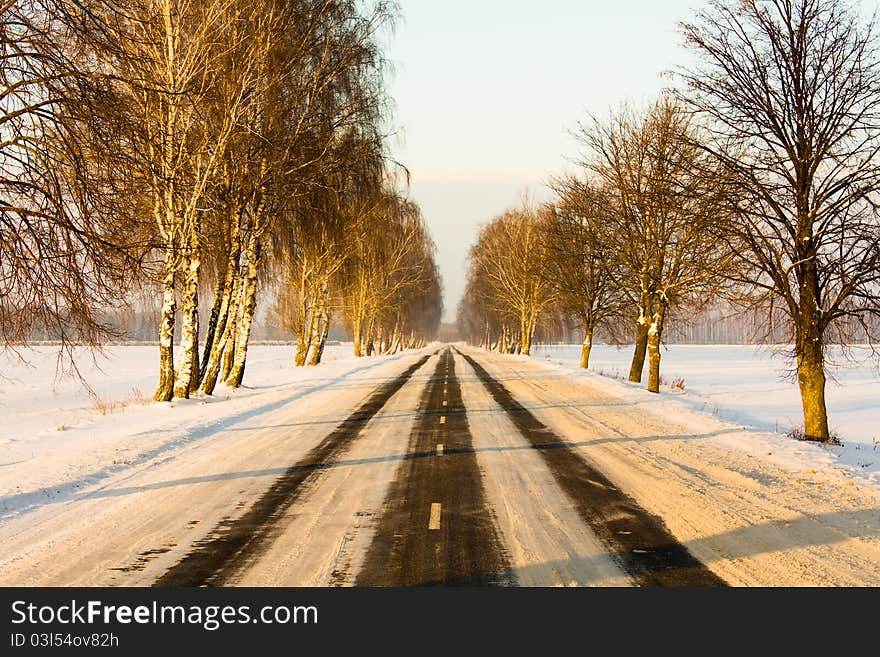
<point x="434" y="520"/>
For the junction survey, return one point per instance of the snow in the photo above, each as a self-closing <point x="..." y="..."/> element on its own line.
<point x="755" y="507"/>
<point x="55" y="440"/>
<point x="749" y="386"/>
<point x="154" y="480"/>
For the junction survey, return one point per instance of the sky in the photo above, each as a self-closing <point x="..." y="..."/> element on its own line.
<point x="486" y="93"/>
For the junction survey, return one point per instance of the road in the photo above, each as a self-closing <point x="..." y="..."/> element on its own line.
<point x="455" y="467"/>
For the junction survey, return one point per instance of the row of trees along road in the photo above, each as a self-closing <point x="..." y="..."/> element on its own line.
<point x="756" y="181"/>
<point x="204" y="148"/>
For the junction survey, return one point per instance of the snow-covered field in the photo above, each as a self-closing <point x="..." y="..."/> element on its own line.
<point x="56" y="438"/>
<point x="748" y="385"/>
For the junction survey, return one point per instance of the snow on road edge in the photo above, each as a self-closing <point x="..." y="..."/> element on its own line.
<point x="41" y="464"/>
<point x="678" y="409"/>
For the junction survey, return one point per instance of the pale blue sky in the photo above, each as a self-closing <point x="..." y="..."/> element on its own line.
<point x="486" y="91"/>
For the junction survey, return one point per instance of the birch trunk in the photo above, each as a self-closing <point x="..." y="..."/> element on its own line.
<point x="525" y="341"/>
<point x="318" y="349"/>
<point x="247" y="306"/>
<point x="211" y="332"/>
<point x="188" y="370"/>
<point x="315" y="329"/>
<point x="356" y="325"/>
<point x="229" y="348"/>
<point x="219" y="349"/>
<point x="222" y="345"/>
<point x="304" y="341"/>
<point x="394" y="344"/>
<point x="165" y="391"/>
<point x="214" y="342"/>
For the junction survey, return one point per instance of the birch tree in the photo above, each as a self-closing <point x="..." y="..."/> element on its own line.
<point x="167" y="61"/>
<point x="789" y="93"/>
<point x="391" y="262"/>
<point x="63" y="258"/>
<point x="509" y="260"/>
<point x="324" y="82"/>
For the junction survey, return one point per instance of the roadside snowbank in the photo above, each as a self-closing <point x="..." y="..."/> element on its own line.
<point x="56" y="439"/>
<point x="745" y="385"/>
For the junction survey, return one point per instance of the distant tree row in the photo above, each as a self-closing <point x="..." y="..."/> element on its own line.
<point x="754" y="183"/>
<point x="204" y="150"/>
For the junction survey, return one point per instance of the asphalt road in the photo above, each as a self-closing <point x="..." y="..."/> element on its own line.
<point x="450" y="466"/>
<point x="435" y="524"/>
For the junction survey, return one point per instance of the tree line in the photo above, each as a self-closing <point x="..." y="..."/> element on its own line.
<point x="754" y="183"/>
<point x="217" y="154"/>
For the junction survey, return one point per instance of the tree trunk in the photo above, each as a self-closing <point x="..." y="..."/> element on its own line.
<point x="811" y="380"/>
<point x="222" y="345"/>
<point x="219" y="350"/>
<point x="211" y="332"/>
<point x="219" y="338"/>
<point x="188" y="370"/>
<point x="322" y="342"/>
<point x="229" y="351"/>
<point x="356" y="325"/>
<point x="394" y="343"/>
<point x="586" y="348"/>
<point x="369" y="336"/>
<point x="248" y="305"/>
<point x="638" y="359"/>
<point x="317" y="320"/>
<point x="655" y="334"/>
<point x="304" y="342"/>
<point x="165" y="391"/>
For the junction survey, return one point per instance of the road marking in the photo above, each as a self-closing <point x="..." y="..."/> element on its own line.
<point x="440" y="449"/>
<point x="434" y="520"/>
<point x="442" y="419"/>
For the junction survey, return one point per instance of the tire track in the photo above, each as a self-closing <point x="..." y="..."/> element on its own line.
<point x="436" y="527"/>
<point x="237" y="542"/>
<point x="637" y="540"/>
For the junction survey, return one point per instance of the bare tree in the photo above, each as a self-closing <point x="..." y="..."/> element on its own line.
<point x="582" y="267"/>
<point x="63" y="259"/>
<point x="168" y="65"/>
<point x="661" y="207"/>
<point x="509" y="270"/>
<point x="390" y="264"/>
<point x="327" y="90"/>
<point x="789" y="91"/>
